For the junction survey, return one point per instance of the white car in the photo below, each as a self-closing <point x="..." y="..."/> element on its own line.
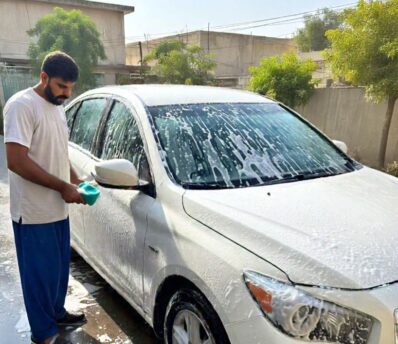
<point x="225" y="217"/>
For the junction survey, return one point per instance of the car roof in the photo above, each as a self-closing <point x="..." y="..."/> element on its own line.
<point x="154" y="95"/>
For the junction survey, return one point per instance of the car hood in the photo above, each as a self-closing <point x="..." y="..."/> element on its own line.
<point x="339" y="231"/>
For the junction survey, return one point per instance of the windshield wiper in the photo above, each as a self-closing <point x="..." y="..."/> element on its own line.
<point x="205" y="186"/>
<point x="300" y="176"/>
<point x="351" y="164"/>
<point x="285" y="178"/>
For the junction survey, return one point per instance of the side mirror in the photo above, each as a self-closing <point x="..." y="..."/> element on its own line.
<point x="341" y="145"/>
<point x="116" y="173"/>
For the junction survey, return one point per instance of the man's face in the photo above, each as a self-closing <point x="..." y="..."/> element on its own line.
<point x="58" y="90"/>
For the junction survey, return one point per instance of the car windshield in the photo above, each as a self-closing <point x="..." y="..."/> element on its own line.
<point x="237" y="145"/>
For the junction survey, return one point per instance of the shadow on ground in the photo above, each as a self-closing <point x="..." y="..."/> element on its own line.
<point x="110" y="318"/>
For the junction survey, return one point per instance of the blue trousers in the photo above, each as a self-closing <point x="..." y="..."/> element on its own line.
<point x="43" y="253"/>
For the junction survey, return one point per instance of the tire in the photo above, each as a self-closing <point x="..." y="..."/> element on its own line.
<point x="74" y="254"/>
<point x="190" y="319"/>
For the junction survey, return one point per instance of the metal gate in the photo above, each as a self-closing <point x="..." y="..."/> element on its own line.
<point x="15" y="79"/>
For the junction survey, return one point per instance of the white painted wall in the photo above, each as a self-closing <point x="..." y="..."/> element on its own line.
<point x="19" y="16"/>
<point x="345" y="114"/>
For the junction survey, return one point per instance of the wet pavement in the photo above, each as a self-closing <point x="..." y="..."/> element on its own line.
<point x="110" y="318"/>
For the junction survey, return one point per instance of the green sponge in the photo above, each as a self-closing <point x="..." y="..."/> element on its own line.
<point x="89" y="192"/>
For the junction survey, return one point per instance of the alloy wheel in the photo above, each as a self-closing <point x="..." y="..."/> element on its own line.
<point x="188" y="328"/>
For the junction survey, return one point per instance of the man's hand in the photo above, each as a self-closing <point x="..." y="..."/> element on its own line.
<point x="74" y="179"/>
<point x="70" y="194"/>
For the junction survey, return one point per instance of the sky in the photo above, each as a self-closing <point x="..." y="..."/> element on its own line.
<point x="152" y="18"/>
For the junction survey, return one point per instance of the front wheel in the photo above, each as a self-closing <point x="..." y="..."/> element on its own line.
<point x="190" y="319"/>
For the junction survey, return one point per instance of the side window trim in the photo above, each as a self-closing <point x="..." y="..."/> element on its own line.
<point x="96" y="145"/>
<point x="133" y="113"/>
<point x="80" y="102"/>
<point x="137" y="120"/>
<point x="77" y="107"/>
<point x="143" y="138"/>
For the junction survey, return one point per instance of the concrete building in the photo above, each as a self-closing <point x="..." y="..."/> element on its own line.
<point x="233" y="53"/>
<point x="323" y="72"/>
<point x="19" y="16"/>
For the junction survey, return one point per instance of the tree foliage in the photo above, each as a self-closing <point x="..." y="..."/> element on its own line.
<point x="73" y="33"/>
<point x="285" y="78"/>
<point x="365" y="52"/>
<point x="312" y="36"/>
<point x="178" y="63"/>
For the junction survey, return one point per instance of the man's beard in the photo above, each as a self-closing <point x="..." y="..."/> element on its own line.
<point x="52" y="98"/>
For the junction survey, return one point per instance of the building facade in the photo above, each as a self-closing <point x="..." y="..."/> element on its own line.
<point x="323" y="72"/>
<point x="19" y="16"/>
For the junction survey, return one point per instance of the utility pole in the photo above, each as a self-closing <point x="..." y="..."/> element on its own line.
<point x="208" y="37"/>
<point x="141" y="58"/>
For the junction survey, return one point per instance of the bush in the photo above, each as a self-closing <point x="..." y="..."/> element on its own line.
<point x="392" y="169"/>
<point x="285" y="78"/>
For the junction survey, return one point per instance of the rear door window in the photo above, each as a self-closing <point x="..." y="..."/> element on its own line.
<point x="86" y="122"/>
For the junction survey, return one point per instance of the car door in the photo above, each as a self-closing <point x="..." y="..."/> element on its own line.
<point x="116" y="225"/>
<point x="83" y="120"/>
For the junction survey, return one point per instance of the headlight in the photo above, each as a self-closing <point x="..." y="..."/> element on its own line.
<point x="305" y="317"/>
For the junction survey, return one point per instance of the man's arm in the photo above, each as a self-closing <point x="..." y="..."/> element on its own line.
<point x="19" y="162"/>
<point x="74" y="179"/>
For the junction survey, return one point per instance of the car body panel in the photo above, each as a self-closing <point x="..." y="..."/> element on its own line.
<point x="318" y="231"/>
<point x="155" y="95"/>
<point x="210" y="237"/>
<point x="188" y="249"/>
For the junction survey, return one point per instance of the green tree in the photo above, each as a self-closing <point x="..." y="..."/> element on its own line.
<point x="178" y="63"/>
<point x="285" y="78"/>
<point x="365" y="52"/>
<point x="73" y="33"/>
<point x="312" y="36"/>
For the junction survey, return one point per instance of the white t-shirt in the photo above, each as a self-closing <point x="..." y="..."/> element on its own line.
<point x="33" y="122"/>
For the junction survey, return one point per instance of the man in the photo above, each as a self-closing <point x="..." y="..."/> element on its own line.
<point x="42" y="182"/>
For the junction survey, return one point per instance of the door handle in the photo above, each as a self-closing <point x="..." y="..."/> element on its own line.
<point x="153" y="249"/>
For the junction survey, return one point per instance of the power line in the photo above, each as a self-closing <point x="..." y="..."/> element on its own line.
<point x="287" y="19"/>
<point x="284" y="22"/>
<point x="235" y="26"/>
<point x="281" y="22"/>
<point x="280" y="17"/>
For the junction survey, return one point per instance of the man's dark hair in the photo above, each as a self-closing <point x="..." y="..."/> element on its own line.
<point x="60" y="65"/>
